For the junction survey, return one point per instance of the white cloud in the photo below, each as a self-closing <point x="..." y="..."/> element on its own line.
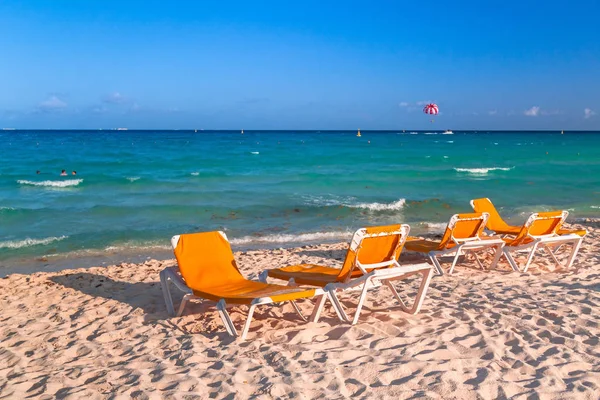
<point x="423" y="102"/>
<point x="53" y="103"/>
<point x="588" y="113"/>
<point x="403" y="104"/>
<point x="492" y="112"/>
<point x="532" y="112"/>
<point x="115" y="98"/>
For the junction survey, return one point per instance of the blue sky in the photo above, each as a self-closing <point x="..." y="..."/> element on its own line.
<point x="299" y="65"/>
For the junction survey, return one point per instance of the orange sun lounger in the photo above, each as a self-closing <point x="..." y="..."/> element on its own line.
<point x="497" y="224"/>
<point x="206" y="269"/>
<point x="542" y="229"/>
<point x="464" y="234"/>
<point x="371" y="260"/>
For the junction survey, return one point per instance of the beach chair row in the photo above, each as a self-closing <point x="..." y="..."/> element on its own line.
<point x="206" y="267"/>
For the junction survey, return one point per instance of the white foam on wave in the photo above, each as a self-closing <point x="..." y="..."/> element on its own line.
<point x="138" y="247"/>
<point x="351" y="202"/>
<point x="594" y="206"/>
<point x="396" y="205"/>
<point x="28" y="242"/>
<point x="65" y="183"/>
<point x="450" y="141"/>
<point x="414" y="133"/>
<point x="482" y="171"/>
<point x="435" y="227"/>
<point x="195" y="173"/>
<point x="133" y="178"/>
<point x="289" y="238"/>
<point x="254" y="152"/>
<point x="430" y="133"/>
<point x="7" y="209"/>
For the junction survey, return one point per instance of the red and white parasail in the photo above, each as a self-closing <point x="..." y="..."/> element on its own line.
<point x="431" y="108"/>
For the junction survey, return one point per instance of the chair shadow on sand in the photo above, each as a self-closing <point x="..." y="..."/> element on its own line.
<point x="148" y="297"/>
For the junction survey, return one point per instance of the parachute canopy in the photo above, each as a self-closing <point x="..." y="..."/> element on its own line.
<point x="431" y="108"/>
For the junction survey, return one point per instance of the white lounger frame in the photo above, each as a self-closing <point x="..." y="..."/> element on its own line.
<point x="382" y="273"/>
<point x="544" y="242"/>
<point x="172" y="274"/>
<point x="466" y="246"/>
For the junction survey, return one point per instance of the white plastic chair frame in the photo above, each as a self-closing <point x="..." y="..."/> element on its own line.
<point x="545" y="242"/>
<point x="172" y="274"/>
<point x="466" y="246"/>
<point x="382" y="273"/>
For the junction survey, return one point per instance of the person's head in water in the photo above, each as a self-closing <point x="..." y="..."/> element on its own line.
<point x="63" y="172"/>
<point x="74" y="173"/>
<point x="37" y="172"/>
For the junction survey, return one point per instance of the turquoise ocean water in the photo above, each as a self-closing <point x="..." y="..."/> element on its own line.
<point x="135" y="189"/>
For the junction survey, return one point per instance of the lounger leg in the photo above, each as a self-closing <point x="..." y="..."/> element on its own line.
<point x="497" y="256"/>
<point x="421" y="293"/>
<point x="298" y="310"/>
<point x="183" y="303"/>
<point x="314" y="317"/>
<point x="361" y="300"/>
<point x="511" y="260"/>
<point x="576" y="246"/>
<point x="164" y="284"/>
<point x="548" y="250"/>
<point x="436" y="264"/>
<point x="477" y="260"/>
<point x="530" y="258"/>
<point x="221" y="307"/>
<point x="248" y="320"/>
<point x="262" y="277"/>
<point x="337" y="306"/>
<point x="455" y="260"/>
<point x="389" y="284"/>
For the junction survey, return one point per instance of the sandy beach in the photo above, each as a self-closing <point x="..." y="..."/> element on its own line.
<point x="104" y="332"/>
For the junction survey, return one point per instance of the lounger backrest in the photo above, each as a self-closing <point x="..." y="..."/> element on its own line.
<point x="463" y="228"/>
<point x="205" y="260"/>
<point x="539" y="225"/>
<point x="495" y="221"/>
<point x="374" y="245"/>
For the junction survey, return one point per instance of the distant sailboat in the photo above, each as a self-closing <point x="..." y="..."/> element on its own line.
<point x="242" y="131"/>
<point x="562" y="132"/>
<point x="358" y="134"/>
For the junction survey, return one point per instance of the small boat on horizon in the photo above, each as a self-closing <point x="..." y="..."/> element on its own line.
<point x="242" y="131"/>
<point x="448" y="132"/>
<point x="358" y="134"/>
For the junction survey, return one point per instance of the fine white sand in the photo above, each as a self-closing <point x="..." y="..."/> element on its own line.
<point x="104" y="333"/>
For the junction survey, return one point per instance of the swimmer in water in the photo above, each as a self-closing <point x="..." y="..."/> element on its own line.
<point x="74" y="173"/>
<point x="63" y="173"/>
<point x="37" y="172"/>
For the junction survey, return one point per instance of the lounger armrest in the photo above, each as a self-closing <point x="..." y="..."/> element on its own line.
<point x="172" y="274"/>
<point x="269" y="300"/>
<point x="401" y="270"/>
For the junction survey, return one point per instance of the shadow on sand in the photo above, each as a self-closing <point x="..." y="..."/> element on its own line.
<point x="148" y="297"/>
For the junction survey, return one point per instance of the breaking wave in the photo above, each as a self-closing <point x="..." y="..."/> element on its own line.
<point x="17" y="244"/>
<point x="65" y="183"/>
<point x="289" y="238"/>
<point x="482" y="171"/>
<point x="396" y="205"/>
